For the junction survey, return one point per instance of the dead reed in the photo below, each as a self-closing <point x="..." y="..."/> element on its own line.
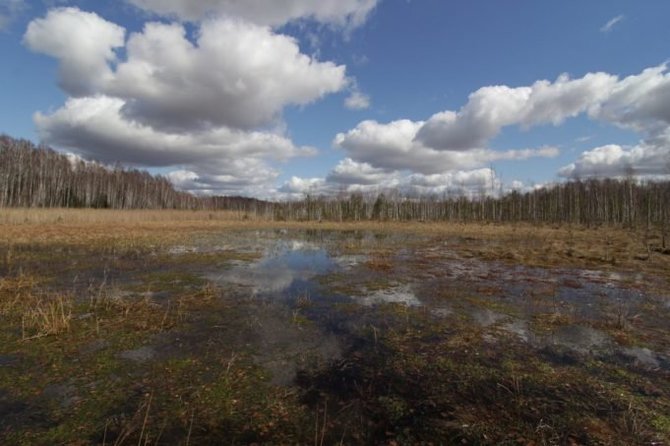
<point x="41" y="314"/>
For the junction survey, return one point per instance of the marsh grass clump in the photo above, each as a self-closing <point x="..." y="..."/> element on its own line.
<point x="40" y="313"/>
<point x="46" y="316"/>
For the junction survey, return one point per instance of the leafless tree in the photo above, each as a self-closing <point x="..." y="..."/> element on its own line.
<point x="36" y="176"/>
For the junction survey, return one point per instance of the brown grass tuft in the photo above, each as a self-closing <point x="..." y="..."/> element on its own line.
<point x="46" y="316"/>
<point x="40" y="314"/>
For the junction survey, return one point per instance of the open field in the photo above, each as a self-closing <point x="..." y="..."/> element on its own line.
<point x="180" y="327"/>
<point x="544" y="245"/>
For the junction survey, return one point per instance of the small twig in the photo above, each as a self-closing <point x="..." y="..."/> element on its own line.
<point x="316" y="427"/>
<point x="146" y="418"/>
<point x="190" y="428"/>
<point x="325" y="416"/>
<point x="165" y="316"/>
<point x="37" y="336"/>
<point x="344" y="431"/>
<point x="104" y="435"/>
<point x="160" y="433"/>
<point x="230" y="363"/>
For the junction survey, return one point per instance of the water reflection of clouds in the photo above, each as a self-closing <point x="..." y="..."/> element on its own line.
<point x="289" y="267"/>
<point x="260" y="279"/>
<point x="486" y="317"/>
<point x="282" y="265"/>
<point x="349" y="261"/>
<point x="642" y="356"/>
<point x="289" y="263"/>
<point x="581" y="339"/>
<point x="399" y="295"/>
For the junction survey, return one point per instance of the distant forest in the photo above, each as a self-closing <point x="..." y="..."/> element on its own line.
<point x="32" y="176"/>
<point x="37" y="176"/>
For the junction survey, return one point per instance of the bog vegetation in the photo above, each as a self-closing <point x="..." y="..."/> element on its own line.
<point x="32" y="176"/>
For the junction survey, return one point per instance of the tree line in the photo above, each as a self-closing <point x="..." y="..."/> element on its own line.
<point x="37" y="176"/>
<point x="591" y="202"/>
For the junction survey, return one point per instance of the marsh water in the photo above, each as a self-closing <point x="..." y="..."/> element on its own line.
<point x="379" y="337"/>
<point x="315" y="274"/>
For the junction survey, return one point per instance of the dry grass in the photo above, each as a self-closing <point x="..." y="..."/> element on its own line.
<point x="29" y="216"/>
<point x="542" y="245"/>
<point x="47" y="316"/>
<point x="37" y="313"/>
<point x="14" y="292"/>
<point x="140" y="313"/>
<point x="40" y="314"/>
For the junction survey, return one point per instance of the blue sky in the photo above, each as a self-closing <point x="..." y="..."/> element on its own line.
<point x="278" y="98"/>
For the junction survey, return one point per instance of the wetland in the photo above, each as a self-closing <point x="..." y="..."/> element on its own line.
<point x="318" y="334"/>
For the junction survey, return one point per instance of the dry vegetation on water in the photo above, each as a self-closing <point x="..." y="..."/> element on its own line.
<point x="108" y="338"/>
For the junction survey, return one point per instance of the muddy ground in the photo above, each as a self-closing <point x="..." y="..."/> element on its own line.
<point x="313" y="336"/>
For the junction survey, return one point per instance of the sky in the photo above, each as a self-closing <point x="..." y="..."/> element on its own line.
<point x="277" y="99"/>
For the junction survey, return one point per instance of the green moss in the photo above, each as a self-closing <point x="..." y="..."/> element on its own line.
<point x="662" y="423"/>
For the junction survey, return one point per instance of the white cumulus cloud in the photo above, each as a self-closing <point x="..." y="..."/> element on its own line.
<point x="203" y="106"/>
<point x="348" y="172"/>
<point x="218" y="160"/>
<point x="642" y="160"/>
<point x="296" y="187"/>
<point x="245" y="176"/>
<point x="202" y="98"/>
<point x="459" y="140"/>
<point x="236" y="74"/>
<point x="96" y="127"/>
<point x="640" y="103"/>
<point x="349" y="176"/>
<point x="343" y="13"/>
<point x="395" y="146"/>
<point x="357" y="101"/>
<point x="83" y="43"/>
<point x="489" y="109"/>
